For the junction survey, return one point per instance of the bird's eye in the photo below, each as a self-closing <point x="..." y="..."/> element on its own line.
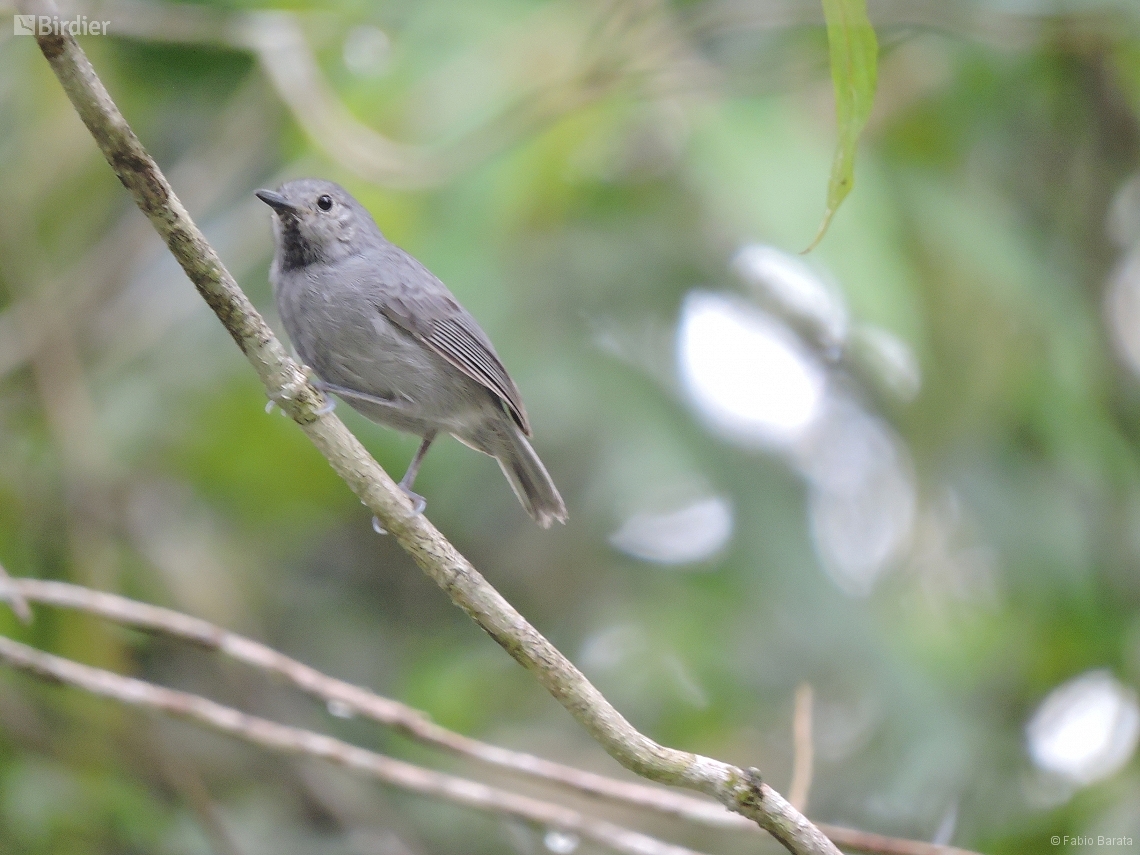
<point x="324" y="202"/>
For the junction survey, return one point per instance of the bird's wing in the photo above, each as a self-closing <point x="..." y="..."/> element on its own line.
<point x="416" y="301"/>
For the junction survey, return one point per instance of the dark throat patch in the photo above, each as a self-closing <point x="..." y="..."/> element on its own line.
<point x="296" y="252"/>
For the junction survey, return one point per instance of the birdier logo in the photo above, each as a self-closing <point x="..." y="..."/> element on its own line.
<point x="53" y="25"/>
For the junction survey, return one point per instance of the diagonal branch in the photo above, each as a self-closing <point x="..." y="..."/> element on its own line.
<point x="742" y="790"/>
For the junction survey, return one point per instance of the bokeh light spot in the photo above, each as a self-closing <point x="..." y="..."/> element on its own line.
<point x="693" y="533"/>
<point x="1086" y="728"/>
<point x="745" y="372"/>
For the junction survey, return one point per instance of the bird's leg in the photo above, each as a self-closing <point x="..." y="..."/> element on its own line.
<point x="418" y="501"/>
<point x="413" y="469"/>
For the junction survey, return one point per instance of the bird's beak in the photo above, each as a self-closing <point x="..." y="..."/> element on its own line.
<point x="276" y="201"/>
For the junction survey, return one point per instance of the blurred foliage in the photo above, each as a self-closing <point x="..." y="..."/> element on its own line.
<point x="854" y="54"/>
<point x="991" y="237"/>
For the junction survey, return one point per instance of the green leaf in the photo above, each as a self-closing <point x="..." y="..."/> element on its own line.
<point x="854" y="65"/>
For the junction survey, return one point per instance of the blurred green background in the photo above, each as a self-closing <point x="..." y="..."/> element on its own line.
<point x="903" y="469"/>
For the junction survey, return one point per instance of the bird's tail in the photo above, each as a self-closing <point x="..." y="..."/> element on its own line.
<point x="529" y="478"/>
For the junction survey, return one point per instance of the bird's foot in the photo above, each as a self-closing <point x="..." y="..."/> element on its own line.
<point x="294" y="387"/>
<point x="330" y="403"/>
<point x="419" y="503"/>
<point x="324" y="409"/>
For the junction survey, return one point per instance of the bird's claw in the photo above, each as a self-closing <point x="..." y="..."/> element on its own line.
<point x="419" y="503"/>
<point x="330" y="403"/>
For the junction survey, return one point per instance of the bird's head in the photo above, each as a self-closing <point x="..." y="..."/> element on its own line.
<point x="317" y="220"/>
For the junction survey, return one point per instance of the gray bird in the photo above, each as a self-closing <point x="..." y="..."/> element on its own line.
<point x="385" y="335"/>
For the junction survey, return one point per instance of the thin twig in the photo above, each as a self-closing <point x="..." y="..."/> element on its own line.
<point x="295" y="740"/>
<point x="356" y="700"/>
<point x="11" y="593"/>
<point x="415" y="724"/>
<point x="802" y="759"/>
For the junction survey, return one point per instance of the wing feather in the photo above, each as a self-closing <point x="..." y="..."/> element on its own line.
<point x="421" y="304"/>
<point x="452" y="339"/>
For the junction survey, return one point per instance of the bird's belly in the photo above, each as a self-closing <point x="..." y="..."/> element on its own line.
<point x="416" y="390"/>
